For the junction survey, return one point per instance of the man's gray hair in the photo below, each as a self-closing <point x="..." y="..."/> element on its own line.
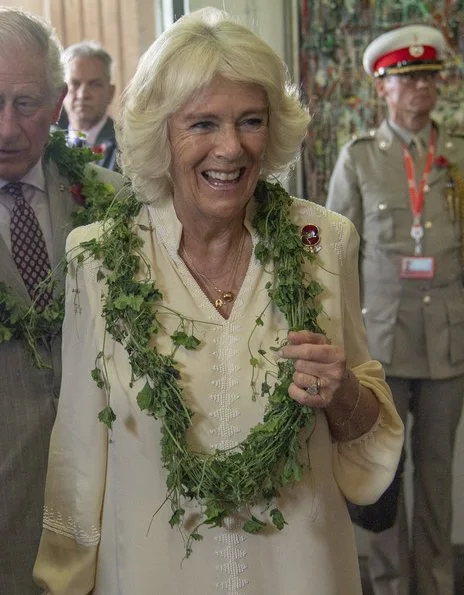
<point x="22" y="30"/>
<point x="87" y="49"/>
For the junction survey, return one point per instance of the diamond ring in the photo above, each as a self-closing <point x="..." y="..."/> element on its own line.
<point x="314" y="388"/>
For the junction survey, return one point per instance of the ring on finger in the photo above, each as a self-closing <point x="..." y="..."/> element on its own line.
<point x="314" y="388"/>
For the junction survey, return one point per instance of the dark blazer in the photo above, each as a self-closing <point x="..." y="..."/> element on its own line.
<point x="27" y="410"/>
<point x="106" y="139"/>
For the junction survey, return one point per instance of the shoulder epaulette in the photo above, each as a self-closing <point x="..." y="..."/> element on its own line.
<point x="365" y="136"/>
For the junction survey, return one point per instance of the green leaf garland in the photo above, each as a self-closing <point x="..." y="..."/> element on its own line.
<point x="223" y="482"/>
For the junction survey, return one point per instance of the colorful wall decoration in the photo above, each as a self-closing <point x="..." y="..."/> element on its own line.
<point x="342" y="100"/>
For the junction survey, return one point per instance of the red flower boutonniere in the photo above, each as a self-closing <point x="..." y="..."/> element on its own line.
<point x="441" y="162"/>
<point x="100" y="149"/>
<point x="76" y="191"/>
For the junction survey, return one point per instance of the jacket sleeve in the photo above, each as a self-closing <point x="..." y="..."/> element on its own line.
<point x="364" y="467"/>
<point x="66" y="561"/>
<point x="344" y="195"/>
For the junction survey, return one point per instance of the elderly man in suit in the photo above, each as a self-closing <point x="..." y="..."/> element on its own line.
<point x="35" y="216"/>
<point x="402" y="186"/>
<point x="87" y="69"/>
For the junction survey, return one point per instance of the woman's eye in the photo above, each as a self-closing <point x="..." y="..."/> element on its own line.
<point x="252" y="122"/>
<point x="203" y="125"/>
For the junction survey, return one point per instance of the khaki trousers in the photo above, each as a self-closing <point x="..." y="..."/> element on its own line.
<point x="422" y="563"/>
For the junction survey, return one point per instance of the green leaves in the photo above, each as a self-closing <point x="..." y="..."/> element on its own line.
<point x="253" y="525"/>
<point x="93" y="198"/>
<point x="180" y="338"/>
<point x="107" y="417"/>
<point x="251" y="474"/>
<point x="277" y="518"/>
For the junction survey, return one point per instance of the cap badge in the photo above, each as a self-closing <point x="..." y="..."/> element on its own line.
<point x="416" y="51"/>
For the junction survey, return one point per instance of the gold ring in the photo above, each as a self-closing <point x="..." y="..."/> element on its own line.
<point x="314" y="388"/>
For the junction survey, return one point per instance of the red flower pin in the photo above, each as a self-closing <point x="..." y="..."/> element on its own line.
<point x="76" y="191"/>
<point x="441" y="162"/>
<point x="99" y="149"/>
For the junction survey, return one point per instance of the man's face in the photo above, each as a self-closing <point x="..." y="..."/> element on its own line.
<point x="89" y="93"/>
<point x="27" y="109"/>
<point x="409" y="96"/>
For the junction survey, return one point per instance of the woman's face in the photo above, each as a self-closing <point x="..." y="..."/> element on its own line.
<point x="218" y="140"/>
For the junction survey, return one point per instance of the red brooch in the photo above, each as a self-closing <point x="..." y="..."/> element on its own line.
<point x="310" y="238"/>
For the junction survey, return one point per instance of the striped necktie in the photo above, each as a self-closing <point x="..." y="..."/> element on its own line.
<point x="28" y="247"/>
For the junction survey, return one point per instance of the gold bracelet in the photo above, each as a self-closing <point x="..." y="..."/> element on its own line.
<point x="351" y="415"/>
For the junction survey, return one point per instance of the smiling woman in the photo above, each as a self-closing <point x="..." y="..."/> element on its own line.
<point x="218" y="337"/>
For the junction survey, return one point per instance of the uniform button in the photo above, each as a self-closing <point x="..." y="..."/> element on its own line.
<point x="426" y="188"/>
<point x="364" y="311"/>
<point x="449" y="145"/>
<point x="383" y="144"/>
<point x="428" y="225"/>
<point x="382" y="206"/>
<point x="427" y="299"/>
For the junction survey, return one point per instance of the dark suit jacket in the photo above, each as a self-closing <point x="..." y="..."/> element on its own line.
<point x="107" y="138"/>
<point x="27" y="411"/>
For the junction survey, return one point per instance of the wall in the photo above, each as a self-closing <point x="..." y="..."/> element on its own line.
<point x="265" y="17"/>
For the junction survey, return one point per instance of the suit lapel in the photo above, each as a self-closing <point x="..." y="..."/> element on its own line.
<point x="9" y="273"/>
<point x="62" y="205"/>
<point x="106" y="133"/>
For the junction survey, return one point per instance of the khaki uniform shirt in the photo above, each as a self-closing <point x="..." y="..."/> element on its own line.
<point x="415" y="326"/>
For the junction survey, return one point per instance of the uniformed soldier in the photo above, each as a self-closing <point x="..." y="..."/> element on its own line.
<point x="402" y="186"/>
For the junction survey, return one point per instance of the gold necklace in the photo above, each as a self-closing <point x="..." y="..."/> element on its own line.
<point x="226" y="296"/>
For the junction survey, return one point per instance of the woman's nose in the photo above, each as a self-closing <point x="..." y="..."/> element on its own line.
<point x="229" y="143"/>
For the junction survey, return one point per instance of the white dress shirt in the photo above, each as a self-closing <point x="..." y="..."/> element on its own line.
<point x="90" y="136"/>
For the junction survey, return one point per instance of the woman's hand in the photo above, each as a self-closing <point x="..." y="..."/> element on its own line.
<point x="321" y="379"/>
<point x="318" y="365"/>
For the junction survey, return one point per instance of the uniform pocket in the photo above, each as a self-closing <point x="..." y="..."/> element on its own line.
<point x="382" y="218"/>
<point x="380" y="318"/>
<point x="456" y="330"/>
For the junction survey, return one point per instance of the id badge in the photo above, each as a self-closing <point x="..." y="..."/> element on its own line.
<point x="417" y="267"/>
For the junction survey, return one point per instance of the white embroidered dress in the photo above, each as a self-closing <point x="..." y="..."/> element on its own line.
<point x="100" y="527"/>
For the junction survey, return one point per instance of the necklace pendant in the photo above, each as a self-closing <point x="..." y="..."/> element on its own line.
<point x="218" y="303"/>
<point x="227" y="296"/>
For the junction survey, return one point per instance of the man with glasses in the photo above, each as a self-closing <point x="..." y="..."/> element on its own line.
<point x="403" y="188"/>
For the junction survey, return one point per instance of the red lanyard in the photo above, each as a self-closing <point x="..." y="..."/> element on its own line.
<point x="417" y="196"/>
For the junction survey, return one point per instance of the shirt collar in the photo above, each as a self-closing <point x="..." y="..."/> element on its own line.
<point x="34" y="177"/>
<point x="406" y="135"/>
<point x="90" y="135"/>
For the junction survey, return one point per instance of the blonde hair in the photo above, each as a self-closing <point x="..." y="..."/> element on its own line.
<point x="180" y="63"/>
